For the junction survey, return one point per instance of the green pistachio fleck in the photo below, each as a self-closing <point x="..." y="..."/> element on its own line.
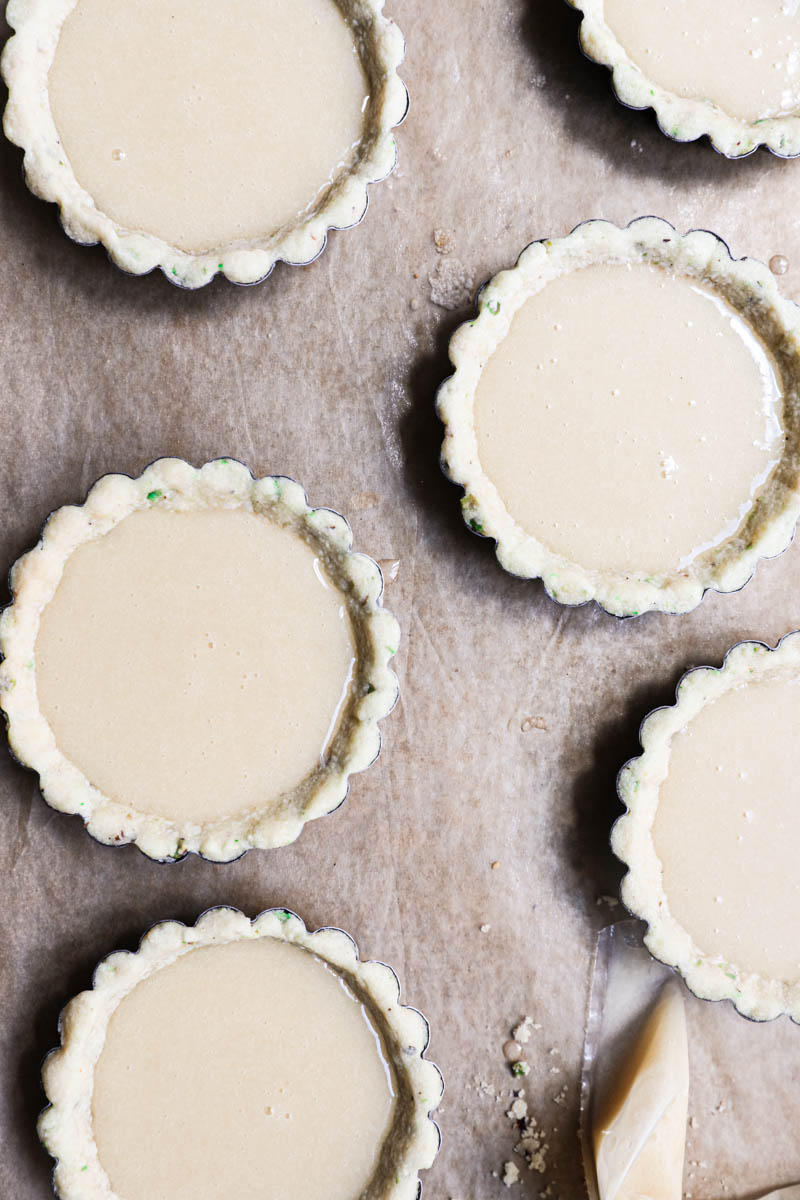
<point x="520" y="1068"/>
<point x="730" y="975"/>
<point x="370" y="689"/>
<point x="155" y="495"/>
<point x="85" y="1167"/>
<point x="493" y="307"/>
<point x="30" y="664"/>
<point x="392" y="649"/>
<point x="220" y="266"/>
<point x="284" y="916"/>
<point x="475" y="526"/>
<point x="224" y="461"/>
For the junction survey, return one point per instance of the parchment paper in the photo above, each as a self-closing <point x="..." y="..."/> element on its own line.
<point x="515" y="713"/>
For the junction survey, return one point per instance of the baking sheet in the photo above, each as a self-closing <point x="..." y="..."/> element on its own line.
<point x="515" y="713"/>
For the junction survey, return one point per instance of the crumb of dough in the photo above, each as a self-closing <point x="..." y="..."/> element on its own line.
<point x="510" y="1174"/>
<point x="444" y="241"/>
<point x="532" y="1146"/>
<point x="485" y="928"/>
<point x="495" y="865"/>
<point x="522" y="1032"/>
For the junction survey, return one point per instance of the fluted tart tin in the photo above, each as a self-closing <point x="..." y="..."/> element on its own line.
<point x="286" y="1020"/>
<point x="204" y="141"/>
<point x="624" y="418"/>
<point x="196" y="660"/>
<point x="710" y="832"/>
<point x="728" y="79"/>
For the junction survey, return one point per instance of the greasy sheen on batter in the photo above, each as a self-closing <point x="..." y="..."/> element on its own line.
<point x="628" y="418"/>
<point x="639" y="1133"/>
<point x="743" y="55"/>
<point x="195" y="665"/>
<point x="247" y="1069"/>
<point x="207" y="124"/>
<point x="727" y="828"/>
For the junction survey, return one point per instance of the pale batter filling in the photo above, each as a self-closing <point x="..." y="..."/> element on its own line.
<point x="195" y="665"/>
<point x="727" y="829"/>
<point x="207" y="124"/>
<point x="247" y="1070"/>
<point x="743" y="55"/>
<point x="639" y="1132"/>
<point x="629" y="418"/>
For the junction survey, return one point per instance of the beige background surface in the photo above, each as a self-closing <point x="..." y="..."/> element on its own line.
<point x="328" y="373"/>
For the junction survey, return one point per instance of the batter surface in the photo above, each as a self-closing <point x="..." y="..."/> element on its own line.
<point x="727" y="828"/>
<point x="744" y="55"/>
<point x="206" y="124"/>
<point x="249" y="1070"/>
<point x="195" y="665"/>
<point x="628" y="418"/>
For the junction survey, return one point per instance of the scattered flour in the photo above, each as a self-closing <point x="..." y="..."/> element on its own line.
<point x="451" y="284"/>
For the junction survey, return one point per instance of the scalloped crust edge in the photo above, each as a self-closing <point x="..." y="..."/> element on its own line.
<point x="222" y="483"/>
<point x="28" y="123"/>
<point x="751" y="288"/>
<point x="65" y="1126"/>
<point x="681" y="118"/>
<point x="708" y="977"/>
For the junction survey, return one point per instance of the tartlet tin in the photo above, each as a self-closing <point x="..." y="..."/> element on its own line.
<point x="707" y="976"/>
<point x="65" y="1125"/>
<point x="768" y="528"/>
<point x="682" y="119"/>
<point x="28" y="123"/>
<point x="222" y="483"/>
